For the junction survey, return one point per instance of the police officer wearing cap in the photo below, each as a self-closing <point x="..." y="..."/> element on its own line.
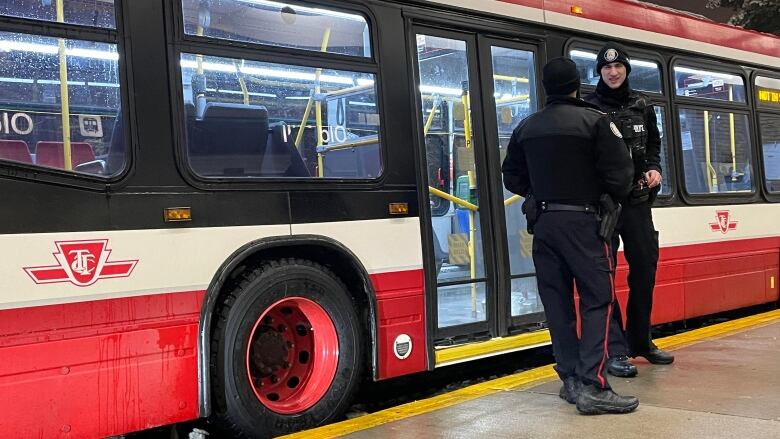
<point x="566" y="156"/>
<point x="633" y="113"/>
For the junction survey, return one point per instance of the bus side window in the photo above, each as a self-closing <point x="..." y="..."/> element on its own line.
<point x="770" y="144"/>
<point x="270" y="120"/>
<point x="716" y="151"/>
<point x="32" y="113"/>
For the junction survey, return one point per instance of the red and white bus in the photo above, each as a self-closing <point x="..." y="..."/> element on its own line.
<point x="241" y="210"/>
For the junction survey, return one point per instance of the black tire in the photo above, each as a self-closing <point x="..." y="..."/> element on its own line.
<point x="236" y="407"/>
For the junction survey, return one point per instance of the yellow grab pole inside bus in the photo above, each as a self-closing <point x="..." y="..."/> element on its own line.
<point x="512" y="200"/>
<point x="454" y="199"/>
<point x="199" y="58"/>
<point x="304" y="121"/>
<point x="242" y="83"/>
<point x="472" y="185"/>
<point x="318" y="104"/>
<point x="65" y="99"/>
<point x="369" y="140"/>
<point x="733" y="139"/>
<point x="712" y="178"/>
<point x="513" y="99"/>
<point x="310" y="103"/>
<point x="510" y="78"/>
<point x="429" y="120"/>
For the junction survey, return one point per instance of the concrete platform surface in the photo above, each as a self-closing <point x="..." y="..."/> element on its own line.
<point x="721" y="388"/>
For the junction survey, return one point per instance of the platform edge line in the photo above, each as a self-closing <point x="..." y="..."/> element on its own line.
<point x="510" y="382"/>
<point x="517" y="381"/>
<point x="718" y="331"/>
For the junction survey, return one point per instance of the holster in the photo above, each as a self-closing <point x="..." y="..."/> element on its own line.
<point x="609" y="214"/>
<point x="531" y="211"/>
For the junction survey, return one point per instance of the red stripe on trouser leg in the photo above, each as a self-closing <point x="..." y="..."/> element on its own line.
<point x="577" y="313"/>
<point x="609" y="318"/>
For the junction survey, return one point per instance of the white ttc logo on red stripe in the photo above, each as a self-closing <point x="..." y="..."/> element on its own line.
<point x="81" y="263"/>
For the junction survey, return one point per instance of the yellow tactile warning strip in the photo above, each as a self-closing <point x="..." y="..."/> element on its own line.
<point x="518" y="381"/>
<point x="719" y="330"/>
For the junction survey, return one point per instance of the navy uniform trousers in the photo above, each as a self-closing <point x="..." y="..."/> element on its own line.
<point x="567" y="249"/>
<point x="640" y="247"/>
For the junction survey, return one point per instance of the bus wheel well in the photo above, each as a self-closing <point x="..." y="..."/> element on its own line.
<point x="341" y="263"/>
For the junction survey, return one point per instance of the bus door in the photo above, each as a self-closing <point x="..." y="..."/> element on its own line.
<point x="472" y="92"/>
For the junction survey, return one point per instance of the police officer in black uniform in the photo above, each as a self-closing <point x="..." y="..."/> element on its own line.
<point x="567" y="156"/>
<point x="633" y="113"/>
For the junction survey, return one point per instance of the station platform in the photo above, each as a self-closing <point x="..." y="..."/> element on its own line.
<point x="724" y="383"/>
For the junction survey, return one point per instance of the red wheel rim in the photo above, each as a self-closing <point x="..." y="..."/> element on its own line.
<point x="292" y="355"/>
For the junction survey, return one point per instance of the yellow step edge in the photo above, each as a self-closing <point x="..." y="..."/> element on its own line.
<point x="517" y="381"/>
<point x="456" y="354"/>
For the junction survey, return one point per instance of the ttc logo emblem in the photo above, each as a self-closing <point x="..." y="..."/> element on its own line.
<point x="81" y="263"/>
<point x="724" y="223"/>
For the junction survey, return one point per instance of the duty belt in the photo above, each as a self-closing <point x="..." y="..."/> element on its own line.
<point x="558" y="207"/>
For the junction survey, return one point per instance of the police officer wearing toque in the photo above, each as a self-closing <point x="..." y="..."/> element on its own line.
<point x="633" y="113"/>
<point x="566" y="156"/>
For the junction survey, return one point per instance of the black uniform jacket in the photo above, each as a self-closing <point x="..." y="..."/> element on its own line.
<point x="636" y="120"/>
<point x="569" y="152"/>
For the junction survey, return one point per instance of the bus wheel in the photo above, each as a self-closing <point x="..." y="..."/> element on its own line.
<point x="286" y="350"/>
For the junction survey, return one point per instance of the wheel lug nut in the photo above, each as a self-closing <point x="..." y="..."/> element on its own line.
<point x="286" y="365"/>
<point x="281" y="328"/>
<point x="274" y="379"/>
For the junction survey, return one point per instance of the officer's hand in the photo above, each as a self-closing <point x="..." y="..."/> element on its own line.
<point x="653" y="178"/>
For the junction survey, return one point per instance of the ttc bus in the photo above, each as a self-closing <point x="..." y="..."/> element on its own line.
<point x="241" y="210"/>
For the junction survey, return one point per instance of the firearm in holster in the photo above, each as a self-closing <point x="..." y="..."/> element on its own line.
<point x="609" y="214"/>
<point x="531" y="211"/>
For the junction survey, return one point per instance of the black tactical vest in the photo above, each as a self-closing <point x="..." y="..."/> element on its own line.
<point x="630" y="119"/>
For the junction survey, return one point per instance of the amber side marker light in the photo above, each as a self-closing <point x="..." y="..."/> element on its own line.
<point x="576" y="10"/>
<point x="173" y="214"/>
<point x="399" y="209"/>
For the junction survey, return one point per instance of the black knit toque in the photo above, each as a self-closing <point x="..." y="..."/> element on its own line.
<point x="613" y="52"/>
<point x="560" y="76"/>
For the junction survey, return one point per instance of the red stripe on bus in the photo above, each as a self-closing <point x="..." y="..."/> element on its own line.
<point x="131" y="362"/>
<point x="99" y="368"/>
<point x="700" y="279"/>
<point x="401" y="310"/>
<point x="663" y="21"/>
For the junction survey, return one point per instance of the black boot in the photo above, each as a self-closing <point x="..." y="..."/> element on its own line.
<point x="620" y="366"/>
<point x="569" y="390"/>
<point x="596" y="401"/>
<point x="656" y="356"/>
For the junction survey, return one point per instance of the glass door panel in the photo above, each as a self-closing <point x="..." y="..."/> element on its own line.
<point x="514" y="92"/>
<point x="444" y="88"/>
